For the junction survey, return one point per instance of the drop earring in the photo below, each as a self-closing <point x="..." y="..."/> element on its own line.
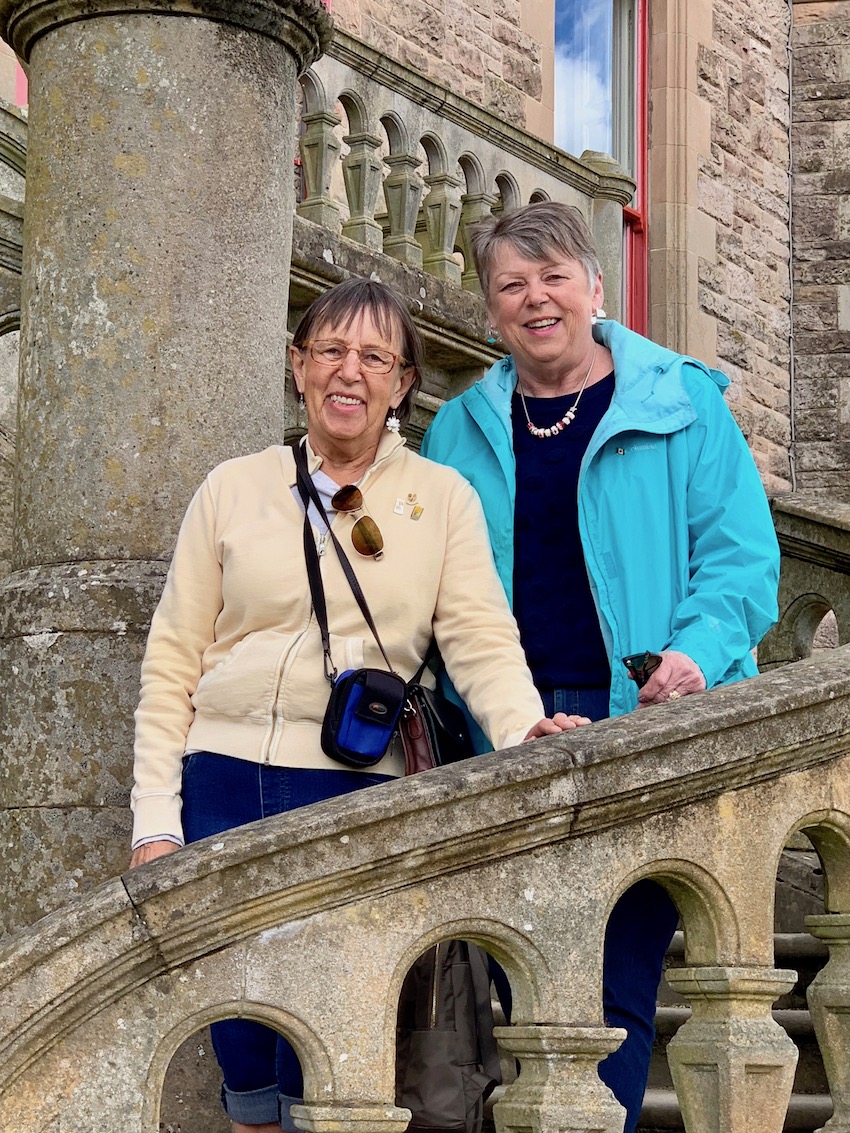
<point x="597" y="316"/>
<point x="301" y="410"/>
<point x="392" y="422"/>
<point x="492" y="336"/>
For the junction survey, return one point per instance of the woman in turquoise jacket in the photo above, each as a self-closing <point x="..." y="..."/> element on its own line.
<point x="625" y="513"/>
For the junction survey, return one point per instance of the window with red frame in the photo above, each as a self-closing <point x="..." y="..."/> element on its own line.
<point x="601" y="104"/>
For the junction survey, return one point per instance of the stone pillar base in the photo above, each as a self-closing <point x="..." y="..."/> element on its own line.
<point x="559" y="1089"/>
<point x="351" y="1119"/>
<point x="829" y="1002"/>
<point x="732" y="1064"/>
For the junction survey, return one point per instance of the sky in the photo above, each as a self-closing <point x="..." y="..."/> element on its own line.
<point x="583" y="30"/>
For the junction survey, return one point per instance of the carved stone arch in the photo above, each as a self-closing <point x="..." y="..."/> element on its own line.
<point x="10" y="321"/>
<point x="316" y="1063"/>
<point x="435" y="151"/>
<point x="801" y="620"/>
<point x="396" y="131"/>
<point x="537" y="196"/>
<point x="829" y="833"/>
<point x="526" y="966"/>
<point x="315" y="96"/>
<point x="477" y="204"/>
<point x="712" y="933"/>
<point x="509" y="196"/>
<point x="473" y="172"/>
<point x="356" y="112"/>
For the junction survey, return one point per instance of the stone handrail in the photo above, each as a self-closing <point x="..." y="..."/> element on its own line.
<point x="309" y="922"/>
<point x="813" y="535"/>
<point x="422" y="165"/>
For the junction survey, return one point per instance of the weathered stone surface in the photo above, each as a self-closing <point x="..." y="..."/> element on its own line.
<point x="304" y="920"/>
<point x="466" y="38"/>
<point x="161" y="141"/>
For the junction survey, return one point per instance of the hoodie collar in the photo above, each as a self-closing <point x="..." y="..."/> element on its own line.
<point x="649" y="390"/>
<point x="389" y="444"/>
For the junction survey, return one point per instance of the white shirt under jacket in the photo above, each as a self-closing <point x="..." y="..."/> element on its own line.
<point x="234" y="658"/>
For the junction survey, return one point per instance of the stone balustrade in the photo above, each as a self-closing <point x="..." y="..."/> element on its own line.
<point x="399" y="164"/>
<point x="309" y="922"/>
<point x="815" y="577"/>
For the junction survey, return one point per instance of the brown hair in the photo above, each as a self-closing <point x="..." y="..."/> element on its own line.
<point x="535" y="231"/>
<point x="342" y="304"/>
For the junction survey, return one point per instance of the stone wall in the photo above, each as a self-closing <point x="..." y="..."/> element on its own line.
<point x="498" y="53"/>
<point x="743" y="185"/>
<point x="8" y="407"/>
<point x="821" y="137"/>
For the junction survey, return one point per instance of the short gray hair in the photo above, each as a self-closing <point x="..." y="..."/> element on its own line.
<point x="535" y="231"/>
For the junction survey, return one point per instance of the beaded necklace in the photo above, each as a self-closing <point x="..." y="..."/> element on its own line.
<point x="562" y="422"/>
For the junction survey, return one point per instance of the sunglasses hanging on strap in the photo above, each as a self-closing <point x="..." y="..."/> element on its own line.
<point x="365" y="704"/>
<point x="433" y="730"/>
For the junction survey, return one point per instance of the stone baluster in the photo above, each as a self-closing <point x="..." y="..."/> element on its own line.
<point x="559" y="1086"/>
<point x="319" y="154"/>
<point x="363" y="171"/>
<point x="829" y="1003"/>
<point x="403" y="189"/>
<point x="732" y="1064"/>
<point x="442" y="217"/>
<point x="475" y="207"/>
<point x="158" y="233"/>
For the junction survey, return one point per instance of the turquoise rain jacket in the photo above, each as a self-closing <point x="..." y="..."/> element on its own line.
<point x="676" y="529"/>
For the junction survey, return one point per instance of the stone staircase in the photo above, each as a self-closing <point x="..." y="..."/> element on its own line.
<point x="799" y="892"/>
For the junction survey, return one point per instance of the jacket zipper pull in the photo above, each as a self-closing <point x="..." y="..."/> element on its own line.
<point x="320" y="549"/>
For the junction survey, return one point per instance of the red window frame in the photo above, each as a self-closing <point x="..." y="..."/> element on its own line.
<point x="635" y="218"/>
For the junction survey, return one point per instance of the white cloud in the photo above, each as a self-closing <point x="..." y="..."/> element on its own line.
<point x="582" y="103"/>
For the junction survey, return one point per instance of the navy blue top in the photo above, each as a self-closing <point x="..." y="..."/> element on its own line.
<point x="552" y="601"/>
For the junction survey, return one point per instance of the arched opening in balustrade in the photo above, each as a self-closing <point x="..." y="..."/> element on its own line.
<point x="808" y="619"/>
<point x="665" y="900"/>
<point x="537" y="196"/>
<point x="508" y="196"/>
<point x="187" y="1065"/>
<point x="403" y="189"/>
<point x="476" y="205"/>
<point x="500" y="964"/>
<point x="812" y="906"/>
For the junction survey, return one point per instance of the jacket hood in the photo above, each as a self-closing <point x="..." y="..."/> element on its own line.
<point x="649" y="386"/>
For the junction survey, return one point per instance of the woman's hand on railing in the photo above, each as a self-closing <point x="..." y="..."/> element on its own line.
<point x="675" y="677"/>
<point x="560" y="722"/>
<point x="152" y="850"/>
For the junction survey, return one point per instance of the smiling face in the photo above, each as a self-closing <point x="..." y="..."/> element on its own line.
<point x="542" y="309"/>
<point x="347" y="405"/>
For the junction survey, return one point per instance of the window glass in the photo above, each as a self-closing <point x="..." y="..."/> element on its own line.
<point x="595" y="78"/>
<point x="583" y="76"/>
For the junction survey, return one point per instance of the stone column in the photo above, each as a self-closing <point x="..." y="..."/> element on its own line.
<point x="559" y="1087"/>
<point x="732" y="1064"/>
<point x="829" y="1002"/>
<point x="157" y="243"/>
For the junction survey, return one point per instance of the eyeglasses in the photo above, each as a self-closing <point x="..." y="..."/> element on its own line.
<point x="365" y="535"/>
<point x="374" y="360"/>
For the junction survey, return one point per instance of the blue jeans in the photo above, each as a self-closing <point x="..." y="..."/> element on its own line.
<point x="262" y="1074"/>
<point x="637" y="937"/>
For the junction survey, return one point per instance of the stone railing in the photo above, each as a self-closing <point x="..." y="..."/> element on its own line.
<point x="309" y="921"/>
<point x="402" y="165"/>
<point x="814" y="536"/>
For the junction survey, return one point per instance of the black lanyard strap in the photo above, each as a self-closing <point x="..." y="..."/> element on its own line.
<point x="308" y="492"/>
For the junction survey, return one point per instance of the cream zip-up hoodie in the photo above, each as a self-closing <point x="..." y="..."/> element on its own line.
<point x="234" y="658"/>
